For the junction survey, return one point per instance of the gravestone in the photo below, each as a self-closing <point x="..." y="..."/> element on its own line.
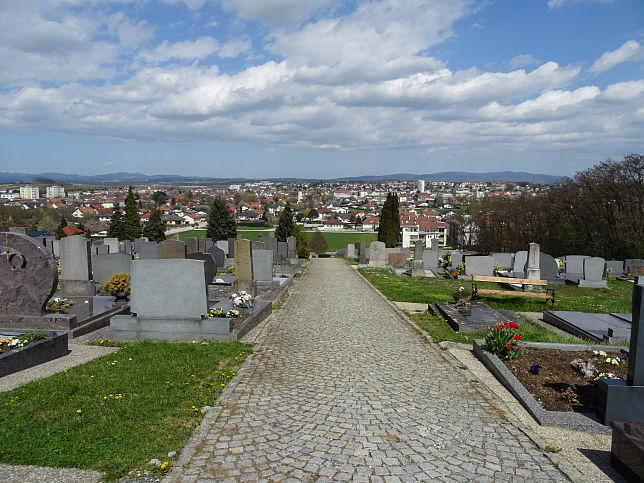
<point x="291" y="245"/>
<point x="21" y="230"/>
<point x="503" y="260"/>
<point x="147" y="250"/>
<point x="76" y="266"/>
<point x="219" y="256"/>
<point x="125" y="246"/>
<point x="457" y="259"/>
<point x="102" y="250"/>
<point x="593" y="273"/>
<point x="231" y="247"/>
<point x="137" y="243"/>
<point x="202" y="241"/>
<point x="184" y="298"/>
<point x="520" y="260"/>
<point x="282" y="251"/>
<point x="244" y="267"/>
<point x="633" y="262"/>
<point x="263" y="265"/>
<point x="47" y="241"/>
<point x="532" y="265"/>
<point x="210" y="266"/>
<point x="479" y="265"/>
<point x="397" y="259"/>
<point x="574" y="267"/>
<point x="614" y="268"/>
<point x="55" y="247"/>
<point x="171" y="249"/>
<point x="258" y="245"/>
<point x="271" y="244"/>
<point x="430" y="259"/>
<point x="363" y="252"/>
<point x="418" y="267"/>
<point x="350" y="252"/>
<point x="104" y="266"/>
<point x="112" y="244"/>
<point x="192" y="244"/>
<point x="549" y="269"/>
<point x="223" y="245"/>
<point x="621" y="400"/>
<point x="28" y="276"/>
<point x="377" y="254"/>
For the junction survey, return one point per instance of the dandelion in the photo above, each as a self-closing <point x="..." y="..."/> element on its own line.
<point x="164" y="465"/>
<point x="79" y="411"/>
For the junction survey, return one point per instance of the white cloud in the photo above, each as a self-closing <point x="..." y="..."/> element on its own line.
<point x="277" y="13"/>
<point x="630" y="51"/>
<point x="523" y="60"/>
<point x="564" y="3"/>
<point x="184" y="50"/>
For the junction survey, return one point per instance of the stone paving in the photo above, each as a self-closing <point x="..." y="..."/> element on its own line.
<point x="342" y="388"/>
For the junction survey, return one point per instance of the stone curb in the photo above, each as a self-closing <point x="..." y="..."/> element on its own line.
<point x="567" y="469"/>
<point x="212" y="413"/>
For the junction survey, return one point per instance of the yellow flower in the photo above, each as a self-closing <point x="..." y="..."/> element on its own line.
<point x="79" y="411"/>
<point x="163" y="465"/>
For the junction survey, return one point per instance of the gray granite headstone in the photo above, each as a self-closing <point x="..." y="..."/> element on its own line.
<point x="244" y="267"/>
<point x="219" y="256"/>
<point x="635" y="373"/>
<point x="231" y="247"/>
<point x="479" y="265"/>
<point x="76" y="266"/>
<point x="282" y="251"/>
<point x="593" y="273"/>
<point x="147" y="250"/>
<point x="614" y="268"/>
<point x="112" y="243"/>
<point x="430" y="259"/>
<point x="183" y="297"/>
<point x="291" y="243"/>
<point x="125" y="246"/>
<point x="223" y="245"/>
<point x="102" y="250"/>
<point x="520" y="259"/>
<point x="137" y="242"/>
<point x="418" y="266"/>
<point x="210" y="266"/>
<point x="55" y="247"/>
<point x="263" y="265"/>
<point x="171" y="249"/>
<point x="363" y="252"/>
<point x="574" y="267"/>
<point x="207" y="244"/>
<point x="549" y="268"/>
<point x="350" y="252"/>
<point x="457" y="259"/>
<point x="377" y="253"/>
<point x="258" y="245"/>
<point x="271" y="244"/>
<point x="503" y="260"/>
<point x="192" y="244"/>
<point x="104" y="266"/>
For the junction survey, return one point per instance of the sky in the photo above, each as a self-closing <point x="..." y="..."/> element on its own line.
<point x="319" y="88"/>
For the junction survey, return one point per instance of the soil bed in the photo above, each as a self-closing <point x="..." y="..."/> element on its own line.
<point x="557" y="374"/>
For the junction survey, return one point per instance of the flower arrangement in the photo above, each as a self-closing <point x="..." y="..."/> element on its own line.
<point x="11" y="343"/>
<point x="58" y="303"/>
<point x="231" y="269"/>
<point x="217" y="312"/>
<point x="242" y="300"/>
<point x="503" y="340"/>
<point x="570" y="395"/>
<point x="119" y="282"/>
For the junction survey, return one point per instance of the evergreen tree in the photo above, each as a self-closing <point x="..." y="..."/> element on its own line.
<point x="301" y="243"/>
<point x="285" y="225"/>
<point x="131" y="219"/>
<point x="318" y="243"/>
<point x="221" y="222"/>
<point x="117" y="228"/>
<point x="154" y="229"/>
<point x="59" y="231"/>
<point x="389" y="227"/>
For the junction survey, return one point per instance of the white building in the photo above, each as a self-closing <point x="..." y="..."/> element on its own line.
<point x="421" y="186"/>
<point x="29" y="192"/>
<point x="55" y="192"/>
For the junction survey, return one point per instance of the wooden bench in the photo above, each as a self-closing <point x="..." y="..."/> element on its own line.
<point x="549" y="294"/>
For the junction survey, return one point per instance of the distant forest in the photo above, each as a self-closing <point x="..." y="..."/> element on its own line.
<point x="600" y="212"/>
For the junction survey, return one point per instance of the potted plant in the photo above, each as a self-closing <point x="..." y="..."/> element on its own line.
<point x="118" y="286"/>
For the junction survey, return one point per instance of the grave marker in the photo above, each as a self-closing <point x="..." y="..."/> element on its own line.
<point x="377" y="253"/>
<point x="171" y="249"/>
<point x="210" y="265"/>
<point x="192" y="244"/>
<point x="363" y="252"/>
<point x="104" y="266"/>
<point x="418" y="267"/>
<point x="532" y="265"/>
<point x="263" y="265"/>
<point x="76" y="266"/>
<point x="244" y="267"/>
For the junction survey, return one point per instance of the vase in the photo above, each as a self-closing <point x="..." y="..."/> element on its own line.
<point x="119" y="295"/>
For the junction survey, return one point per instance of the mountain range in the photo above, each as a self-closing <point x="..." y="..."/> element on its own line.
<point x="139" y="178"/>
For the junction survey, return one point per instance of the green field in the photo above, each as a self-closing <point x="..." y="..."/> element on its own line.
<point x="248" y="233"/>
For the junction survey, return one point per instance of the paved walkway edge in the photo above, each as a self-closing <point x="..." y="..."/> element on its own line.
<point x="212" y="413"/>
<point x="558" y="460"/>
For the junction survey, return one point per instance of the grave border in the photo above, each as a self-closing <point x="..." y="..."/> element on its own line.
<point x="33" y="354"/>
<point x="586" y="422"/>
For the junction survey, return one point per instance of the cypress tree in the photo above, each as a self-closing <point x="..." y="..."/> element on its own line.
<point x="285" y="225"/>
<point x="131" y="219"/>
<point x="389" y="227"/>
<point x="301" y="243"/>
<point x="221" y="222"/>
<point x="319" y="243"/>
<point x="154" y="229"/>
<point x="59" y="231"/>
<point x="117" y="228"/>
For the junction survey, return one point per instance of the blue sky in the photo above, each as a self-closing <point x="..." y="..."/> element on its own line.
<point x="323" y="88"/>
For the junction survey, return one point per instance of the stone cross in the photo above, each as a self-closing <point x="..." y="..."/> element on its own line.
<point x="533" y="272"/>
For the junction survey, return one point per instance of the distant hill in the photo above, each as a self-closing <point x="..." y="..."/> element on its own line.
<point x="139" y="178"/>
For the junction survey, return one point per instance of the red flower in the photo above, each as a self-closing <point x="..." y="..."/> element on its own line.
<point x="513" y="325"/>
<point x="509" y="346"/>
<point x="501" y="326"/>
<point x="516" y="337"/>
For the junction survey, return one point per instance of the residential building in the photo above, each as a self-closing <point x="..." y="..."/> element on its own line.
<point x="55" y="192"/>
<point x="29" y="192"/>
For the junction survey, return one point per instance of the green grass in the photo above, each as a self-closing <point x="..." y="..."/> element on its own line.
<point x="246" y="232"/>
<point x="615" y="298"/>
<point x="342" y="239"/>
<point x="163" y="385"/>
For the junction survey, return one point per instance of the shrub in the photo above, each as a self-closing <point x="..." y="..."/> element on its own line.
<point x="119" y="282"/>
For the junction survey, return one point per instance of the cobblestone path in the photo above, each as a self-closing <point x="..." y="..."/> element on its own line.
<point x="343" y="389"/>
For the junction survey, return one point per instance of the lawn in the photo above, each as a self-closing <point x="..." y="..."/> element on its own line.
<point x="117" y="412"/>
<point x="340" y="240"/>
<point x="246" y="232"/>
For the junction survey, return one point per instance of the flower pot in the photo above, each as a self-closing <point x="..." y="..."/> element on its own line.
<point x="120" y="296"/>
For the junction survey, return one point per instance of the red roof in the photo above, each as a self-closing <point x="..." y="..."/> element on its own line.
<point x="72" y="230"/>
